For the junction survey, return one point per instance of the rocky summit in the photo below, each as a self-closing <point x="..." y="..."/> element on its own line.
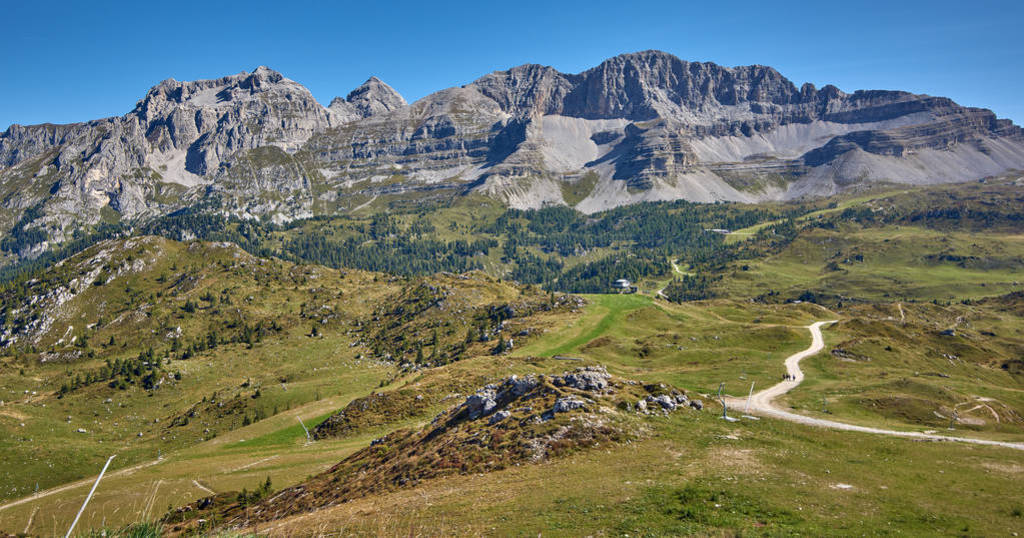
<point x="638" y="127"/>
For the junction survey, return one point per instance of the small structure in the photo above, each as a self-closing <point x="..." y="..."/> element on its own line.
<point x="624" y="286"/>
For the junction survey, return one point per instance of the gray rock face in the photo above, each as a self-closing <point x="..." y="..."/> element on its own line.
<point x="161" y="155"/>
<point x="646" y="126"/>
<point x="568" y="403"/>
<point x="372" y="97"/>
<point x="212" y="118"/>
<point x="591" y="378"/>
<point x="499" y="416"/>
<point x="495" y="396"/>
<point x="482" y="403"/>
<point x="517" y="386"/>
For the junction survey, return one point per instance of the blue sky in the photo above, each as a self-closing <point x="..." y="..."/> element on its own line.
<point x="74" y="61"/>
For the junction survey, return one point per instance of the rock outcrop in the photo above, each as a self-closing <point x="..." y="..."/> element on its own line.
<point x="647" y="126"/>
<point x="519" y="420"/>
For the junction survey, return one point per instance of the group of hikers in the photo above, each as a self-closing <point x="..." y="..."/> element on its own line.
<point x="788" y="377"/>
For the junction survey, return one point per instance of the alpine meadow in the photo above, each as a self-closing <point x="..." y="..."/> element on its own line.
<point x="656" y="297"/>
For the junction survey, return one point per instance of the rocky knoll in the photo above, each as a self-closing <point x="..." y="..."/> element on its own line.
<point x="516" y="421"/>
<point x="641" y="126"/>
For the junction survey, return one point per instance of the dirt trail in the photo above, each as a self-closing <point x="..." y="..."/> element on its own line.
<point x="761" y="402"/>
<point x="364" y="204"/>
<point x="253" y="464"/>
<point x="204" y="488"/>
<point x="80" y="483"/>
<point x="675" y="269"/>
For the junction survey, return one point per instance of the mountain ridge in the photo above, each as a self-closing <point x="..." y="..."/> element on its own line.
<point x="642" y="126"/>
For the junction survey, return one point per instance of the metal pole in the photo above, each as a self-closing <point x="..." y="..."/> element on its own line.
<point x="93" y="490"/>
<point x="725" y="412"/>
<point x="749" y="396"/>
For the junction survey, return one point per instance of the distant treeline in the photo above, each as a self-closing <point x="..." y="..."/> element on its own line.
<point x="534" y="246"/>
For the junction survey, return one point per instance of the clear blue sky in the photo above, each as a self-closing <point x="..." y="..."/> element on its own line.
<point x="74" y="61"/>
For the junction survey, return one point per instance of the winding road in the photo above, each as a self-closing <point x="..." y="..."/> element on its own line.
<point x="761" y="402"/>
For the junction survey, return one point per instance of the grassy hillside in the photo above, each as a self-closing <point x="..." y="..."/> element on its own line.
<point x="702" y="476"/>
<point x="208" y="354"/>
<point x="146" y="345"/>
<point x="915" y="365"/>
<point x="946" y="243"/>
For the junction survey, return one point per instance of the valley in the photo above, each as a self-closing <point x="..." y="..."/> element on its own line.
<point x="653" y="297"/>
<point x="194" y="361"/>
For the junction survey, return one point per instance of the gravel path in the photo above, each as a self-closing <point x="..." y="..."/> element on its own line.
<point x="761" y="402"/>
<point x="675" y="269"/>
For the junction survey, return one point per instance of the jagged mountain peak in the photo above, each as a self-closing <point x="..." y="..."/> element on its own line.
<point x="210" y="92"/>
<point x="637" y="85"/>
<point x="372" y="81"/>
<point x="370" y="98"/>
<point x="648" y="84"/>
<point x="265" y="71"/>
<point x="525" y="89"/>
<point x="375" y="96"/>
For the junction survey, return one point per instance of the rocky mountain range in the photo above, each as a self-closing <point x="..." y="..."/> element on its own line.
<point x="638" y="127"/>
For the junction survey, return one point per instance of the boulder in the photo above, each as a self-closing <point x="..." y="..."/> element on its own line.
<point x="481" y="404"/>
<point x="567" y="403"/>
<point x="516" y="386"/>
<point x="499" y="416"/>
<point x="589" y="378"/>
<point x="665" y="401"/>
